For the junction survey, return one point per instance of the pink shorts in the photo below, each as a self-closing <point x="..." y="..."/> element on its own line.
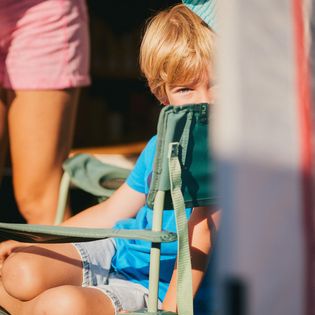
<point x="44" y="44"/>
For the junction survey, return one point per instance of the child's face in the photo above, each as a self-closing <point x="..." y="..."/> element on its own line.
<point x="201" y="92"/>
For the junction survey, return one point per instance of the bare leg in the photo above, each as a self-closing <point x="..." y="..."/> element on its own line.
<point x="31" y="270"/>
<point x="47" y="279"/>
<point x="71" y="300"/>
<point x="41" y="127"/>
<point x="3" y="132"/>
<point x="65" y="300"/>
<point x="8" y="303"/>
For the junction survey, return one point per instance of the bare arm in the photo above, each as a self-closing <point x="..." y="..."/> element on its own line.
<point x="202" y="226"/>
<point x="124" y="203"/>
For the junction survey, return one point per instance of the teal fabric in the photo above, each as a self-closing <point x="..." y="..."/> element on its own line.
<point x="188" y="125"/>
<point x="206" y="9"/>
<point x="94" y="176"/>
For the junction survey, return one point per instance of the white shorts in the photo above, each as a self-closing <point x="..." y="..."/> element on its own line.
<point x="96" y="257"/>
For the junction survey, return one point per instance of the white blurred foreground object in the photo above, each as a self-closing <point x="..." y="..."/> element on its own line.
<point x="263" y="141"/>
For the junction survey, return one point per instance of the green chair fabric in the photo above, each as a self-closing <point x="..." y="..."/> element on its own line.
<point x="182" y="177"/>
<point x="187" y="125"/>
<point x="93" y="176"/>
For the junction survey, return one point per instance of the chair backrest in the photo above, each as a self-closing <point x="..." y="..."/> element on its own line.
<point x="93" y="176"/>
<point x="183" y="176"/>
<point x="188" y="126"/>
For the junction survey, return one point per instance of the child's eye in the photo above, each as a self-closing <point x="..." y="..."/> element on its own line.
<point x="183" y="90"/>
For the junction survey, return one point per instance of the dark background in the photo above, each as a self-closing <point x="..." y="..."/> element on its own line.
<point x="118" y="107"/>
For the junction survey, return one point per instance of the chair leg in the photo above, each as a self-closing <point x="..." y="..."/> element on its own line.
<point x="63" y="197"/>
<point x="155" y="253"/>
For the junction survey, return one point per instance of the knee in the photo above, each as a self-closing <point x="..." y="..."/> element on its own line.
<point x="63" y="300"/>
<point x="21" y="276"/>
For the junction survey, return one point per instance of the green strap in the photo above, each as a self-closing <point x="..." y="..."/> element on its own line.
<point x="185" y="137"/>
<point x="184" y="275"/>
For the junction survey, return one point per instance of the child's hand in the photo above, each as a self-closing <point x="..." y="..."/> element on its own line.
<point x="6" y="248"/>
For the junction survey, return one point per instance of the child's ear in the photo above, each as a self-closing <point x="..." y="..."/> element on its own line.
<point x="165" y="102"/>
<point x="163" y="99"/>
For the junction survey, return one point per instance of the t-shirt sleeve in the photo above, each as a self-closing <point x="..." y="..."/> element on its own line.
<point x="137" y="177"/>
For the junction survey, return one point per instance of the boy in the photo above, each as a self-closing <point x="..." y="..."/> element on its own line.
<point x="108" y="276"/>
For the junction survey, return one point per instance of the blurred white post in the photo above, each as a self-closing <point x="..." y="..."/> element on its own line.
<point x="263" y="261"/>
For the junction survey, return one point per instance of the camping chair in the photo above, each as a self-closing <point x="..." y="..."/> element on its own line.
<point x="98" y="171"/>
<point x="182" y="176"/>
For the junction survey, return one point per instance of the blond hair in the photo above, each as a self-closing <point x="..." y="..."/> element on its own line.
<point x="177" y="48"/>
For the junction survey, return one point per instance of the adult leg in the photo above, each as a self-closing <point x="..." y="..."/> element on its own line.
<point x="41" y="125"/>
<point x="3" y="132"/>
<point x="31" y="270"/>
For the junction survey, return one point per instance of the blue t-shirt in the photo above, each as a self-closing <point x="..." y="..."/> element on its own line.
<point x="132" y="257"/>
